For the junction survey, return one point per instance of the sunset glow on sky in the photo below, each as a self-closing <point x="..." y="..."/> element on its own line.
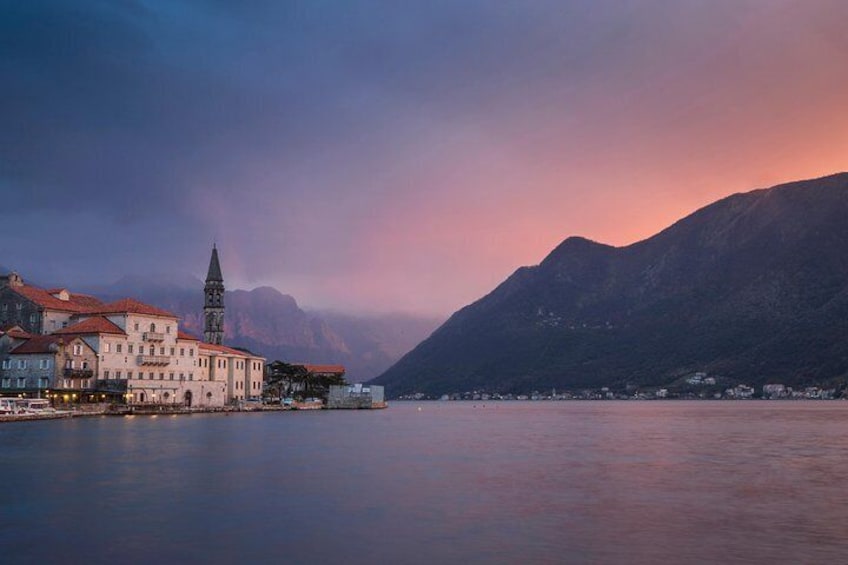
<point x="377" y="156"/>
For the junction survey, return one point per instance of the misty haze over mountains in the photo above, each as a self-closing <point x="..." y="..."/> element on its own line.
<point x="753" y="288"/>
<point x="271" y="323"/>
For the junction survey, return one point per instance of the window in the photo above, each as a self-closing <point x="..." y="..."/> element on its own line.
<point x="182" y="376"/>
<point x="7" y="382"/>
<point x="43" y="382"/>
<point x="130" y="374"/>
<point x="135" y="326"/>
<point x="44" y="363"/>
<point x="118" y="348"/>
<point x="117" y="374"/>
<point x="107" y="347"/>
<point x="161" y="376"/>
<point x="18" y="305"/>
<point x="151" y="376"/>
<point x="182" y="351"/>
<point x="67" y="383"/>
<point x="172" y="352"/>
<point x="22" y="364"/>
<point x="191" y="376"/>
<point x="105" y="374"/>
<point x="7" y="364"/>
<point x="21" y="382"/>
<point x="152" y="350"/>
<point x="77" y="349"/>
<point x="161" y="351"/>
<point x="152" y="327"/>
<point x="129" y="348"/>
<point x="33" y="318"/>
<point x="167" y="329"/>
<point x="171" y="375"/>
<point x="191" y="352"/>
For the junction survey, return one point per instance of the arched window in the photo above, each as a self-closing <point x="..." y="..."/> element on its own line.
<point x="152" y="327"/>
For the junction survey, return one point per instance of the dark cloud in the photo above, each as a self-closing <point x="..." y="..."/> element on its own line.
<point x="300" y="133"/>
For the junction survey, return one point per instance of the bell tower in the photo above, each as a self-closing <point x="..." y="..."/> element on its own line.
<point x="213" y="306"/>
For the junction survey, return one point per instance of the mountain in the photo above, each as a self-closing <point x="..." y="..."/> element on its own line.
<point x="753" y="288"/>
<point x="272" y="324"/>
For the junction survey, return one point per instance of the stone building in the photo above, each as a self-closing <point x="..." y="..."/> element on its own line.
<point x="241" y="370"/>
<point x="37" y="310"/>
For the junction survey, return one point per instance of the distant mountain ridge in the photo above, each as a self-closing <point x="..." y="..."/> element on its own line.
<point x="753" y="287"/>
<point x="272" y="324"/>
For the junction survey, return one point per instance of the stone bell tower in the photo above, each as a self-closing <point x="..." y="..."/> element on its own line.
<point x="213" y="306"/>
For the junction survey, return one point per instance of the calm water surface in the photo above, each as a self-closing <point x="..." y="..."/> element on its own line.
<point x="556" y="482"/>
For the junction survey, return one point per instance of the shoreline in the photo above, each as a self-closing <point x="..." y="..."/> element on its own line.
<point x="154" y="411"/>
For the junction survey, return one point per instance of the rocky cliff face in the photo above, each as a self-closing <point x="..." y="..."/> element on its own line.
<point x="272" y="324"/>
<point x="753" y="287"/>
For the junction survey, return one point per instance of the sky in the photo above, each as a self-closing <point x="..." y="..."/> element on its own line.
<point x="394" y="156"/>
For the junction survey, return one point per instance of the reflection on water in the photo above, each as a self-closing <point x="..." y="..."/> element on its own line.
<point x="609" y="482"/>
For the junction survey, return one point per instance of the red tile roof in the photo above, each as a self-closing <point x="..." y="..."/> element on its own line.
<point x="14" y="331"/>
<point x="131" y="306"/>
<point x="185" y="335"/>
<point x="38" y="344"/>
<point x="325" y="368"/>
<point x="95" y="325"/>
<point x="210" y="347"/>
<point x="43" y="298"/>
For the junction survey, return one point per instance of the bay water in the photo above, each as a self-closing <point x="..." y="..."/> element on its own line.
<point x="434" y="482"/>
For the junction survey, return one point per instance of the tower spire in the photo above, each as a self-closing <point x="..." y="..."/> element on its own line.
<point x="213" y="305"/>
<point x="214" y="273"/>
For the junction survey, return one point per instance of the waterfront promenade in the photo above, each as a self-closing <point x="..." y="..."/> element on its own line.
<point x="145" y="410"/>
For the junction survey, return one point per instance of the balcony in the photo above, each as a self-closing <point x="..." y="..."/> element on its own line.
<point x="78" y="373"/>
<point x="154" y="336"/>
<point x="154" y="360"/>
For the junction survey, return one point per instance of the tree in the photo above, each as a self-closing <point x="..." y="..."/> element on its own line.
<point x="284" y="378"/>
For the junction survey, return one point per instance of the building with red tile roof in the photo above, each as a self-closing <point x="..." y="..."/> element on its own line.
<point x="38" y="310"/>
<point x="243" y="371"/>
<point x="45" y="362"/>
<point x="325" y="369"/>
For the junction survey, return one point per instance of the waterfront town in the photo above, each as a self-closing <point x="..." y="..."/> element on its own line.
<point x="698" y="386"/>
<point x="75" y="351"/>
<point x="738" y="392"/>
